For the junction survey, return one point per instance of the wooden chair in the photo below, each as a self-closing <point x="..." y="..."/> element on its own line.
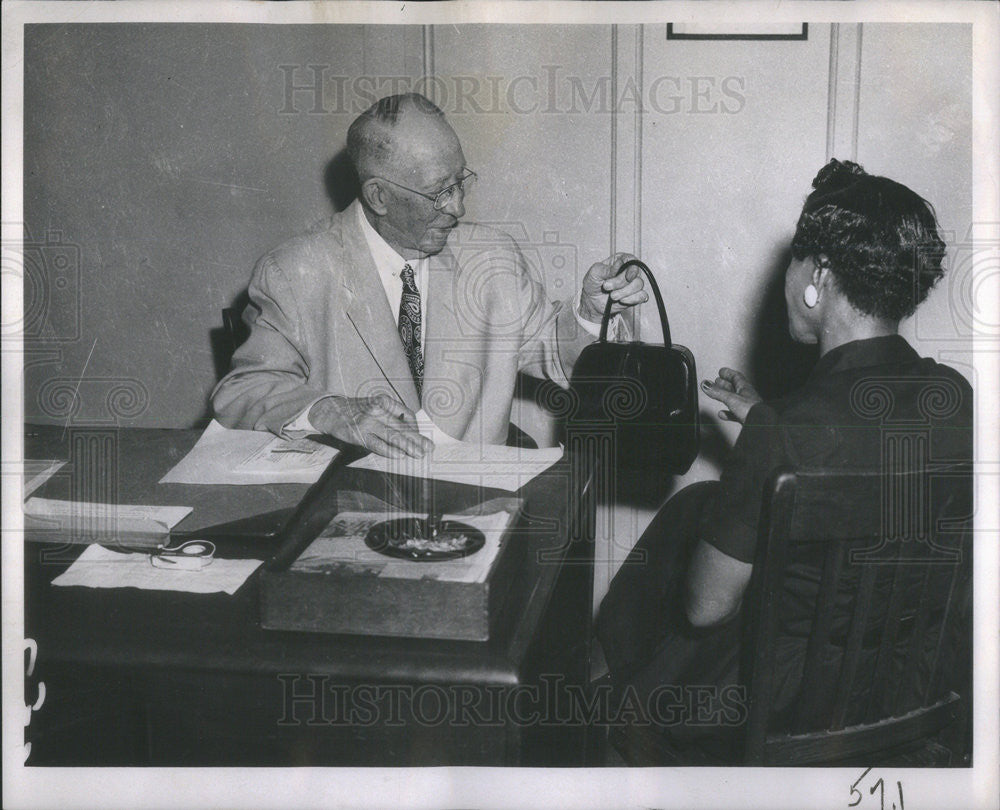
<point x="235" y="330"/>
<point x="887" y="661"/>
<point x="226" y="339"/>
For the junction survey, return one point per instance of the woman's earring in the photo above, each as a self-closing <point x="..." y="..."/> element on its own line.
<point x="811" y="296"/>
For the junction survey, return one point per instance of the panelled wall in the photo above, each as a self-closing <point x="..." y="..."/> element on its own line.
<point x="161" y="161"/>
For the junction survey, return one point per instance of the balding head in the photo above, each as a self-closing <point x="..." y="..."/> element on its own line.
<point x="381" y="136"/>
<point x="405" y="153"/>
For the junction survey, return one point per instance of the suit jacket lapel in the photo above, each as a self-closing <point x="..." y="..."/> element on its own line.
<point x="368" y="310"/>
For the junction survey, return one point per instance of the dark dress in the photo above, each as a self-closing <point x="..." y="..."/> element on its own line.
<point x="840" y="418"/>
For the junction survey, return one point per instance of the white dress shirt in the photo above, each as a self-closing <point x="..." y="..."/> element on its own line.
<point x="389" y="265"/>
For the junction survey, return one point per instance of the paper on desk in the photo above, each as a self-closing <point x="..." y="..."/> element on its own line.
<point x="38" y="471"/>
<point x="85" y="521"/>
<point x="487" y="465"/>
<point x="100" y="567"/>
<point x="224" y="456"/>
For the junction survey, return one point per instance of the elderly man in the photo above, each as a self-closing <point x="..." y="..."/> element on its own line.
<point x="356" y="327"/>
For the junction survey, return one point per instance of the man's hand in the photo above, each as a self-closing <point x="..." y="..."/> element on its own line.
<point x="625" y="290"/>
<point x="381" y="424"/>
<point x="733" y="390"/>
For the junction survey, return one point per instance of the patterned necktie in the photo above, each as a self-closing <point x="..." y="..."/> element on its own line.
<point x="409" y="327"/>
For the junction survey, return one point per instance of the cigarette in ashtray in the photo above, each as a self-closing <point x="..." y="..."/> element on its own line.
<point x="456" y="543"/>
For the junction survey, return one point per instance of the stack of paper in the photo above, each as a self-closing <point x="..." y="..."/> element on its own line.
<point x="487" y="465"/>
<point x="86" y="522"/>
<point x="224" y="456"/>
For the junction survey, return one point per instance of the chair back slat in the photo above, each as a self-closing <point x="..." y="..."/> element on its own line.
<point x="810" y="702"/>
<point x="852" y="653"/>
<point x="906" y="695"/>
<point x="890" y="628"/>
<point x="955" y="523"/>
<point x="947" y="627"/>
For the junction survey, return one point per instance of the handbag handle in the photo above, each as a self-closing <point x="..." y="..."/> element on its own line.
<point x="664" y="323"/>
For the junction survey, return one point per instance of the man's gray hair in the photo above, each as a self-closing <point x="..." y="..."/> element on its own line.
<point x="369" y="139"/>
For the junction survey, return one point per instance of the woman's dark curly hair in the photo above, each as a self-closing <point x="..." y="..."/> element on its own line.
<point x="880" y="237"/>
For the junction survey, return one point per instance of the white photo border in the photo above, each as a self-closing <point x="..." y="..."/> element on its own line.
<point x="494" y="787"/>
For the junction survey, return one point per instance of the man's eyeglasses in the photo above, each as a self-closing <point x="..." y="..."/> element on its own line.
<point x="443" y="197"/>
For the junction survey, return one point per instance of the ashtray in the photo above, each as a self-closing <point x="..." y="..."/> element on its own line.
<point x="410" y="539"/>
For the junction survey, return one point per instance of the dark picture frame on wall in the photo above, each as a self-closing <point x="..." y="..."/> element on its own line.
<point x="724" y="31"/>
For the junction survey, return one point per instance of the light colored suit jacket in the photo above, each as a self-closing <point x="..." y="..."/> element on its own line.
<point x="320" y="323"/>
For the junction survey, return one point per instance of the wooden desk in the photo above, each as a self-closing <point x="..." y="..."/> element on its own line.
<point x="156" y="677"/>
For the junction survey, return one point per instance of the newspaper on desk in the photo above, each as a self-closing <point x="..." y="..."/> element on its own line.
<point x="224" y="456"/>
<point x="486" y="465"/>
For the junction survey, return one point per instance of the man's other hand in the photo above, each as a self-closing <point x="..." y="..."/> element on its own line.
<point x="380" y="424"/>
<point x="601" y="280"/>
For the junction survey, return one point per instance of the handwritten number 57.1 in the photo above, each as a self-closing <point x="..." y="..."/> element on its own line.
<point x="880" y="787"/>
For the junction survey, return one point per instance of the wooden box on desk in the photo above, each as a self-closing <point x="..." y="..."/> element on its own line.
<point x="360" y="602"/>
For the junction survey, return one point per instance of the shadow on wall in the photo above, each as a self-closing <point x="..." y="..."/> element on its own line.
<point x="777" y="364"/>
<point x="341" y="181"/>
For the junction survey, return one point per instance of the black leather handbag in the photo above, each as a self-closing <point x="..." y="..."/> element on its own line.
<point x="642" y="396"/>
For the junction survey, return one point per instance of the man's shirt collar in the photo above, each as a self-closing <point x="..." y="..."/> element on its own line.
<point x="387" y="260"/>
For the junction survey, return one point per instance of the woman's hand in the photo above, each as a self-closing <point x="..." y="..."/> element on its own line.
<point x="733" y="390"/>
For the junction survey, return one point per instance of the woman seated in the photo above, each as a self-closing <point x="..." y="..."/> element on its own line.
<point x="866" y="252"/>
